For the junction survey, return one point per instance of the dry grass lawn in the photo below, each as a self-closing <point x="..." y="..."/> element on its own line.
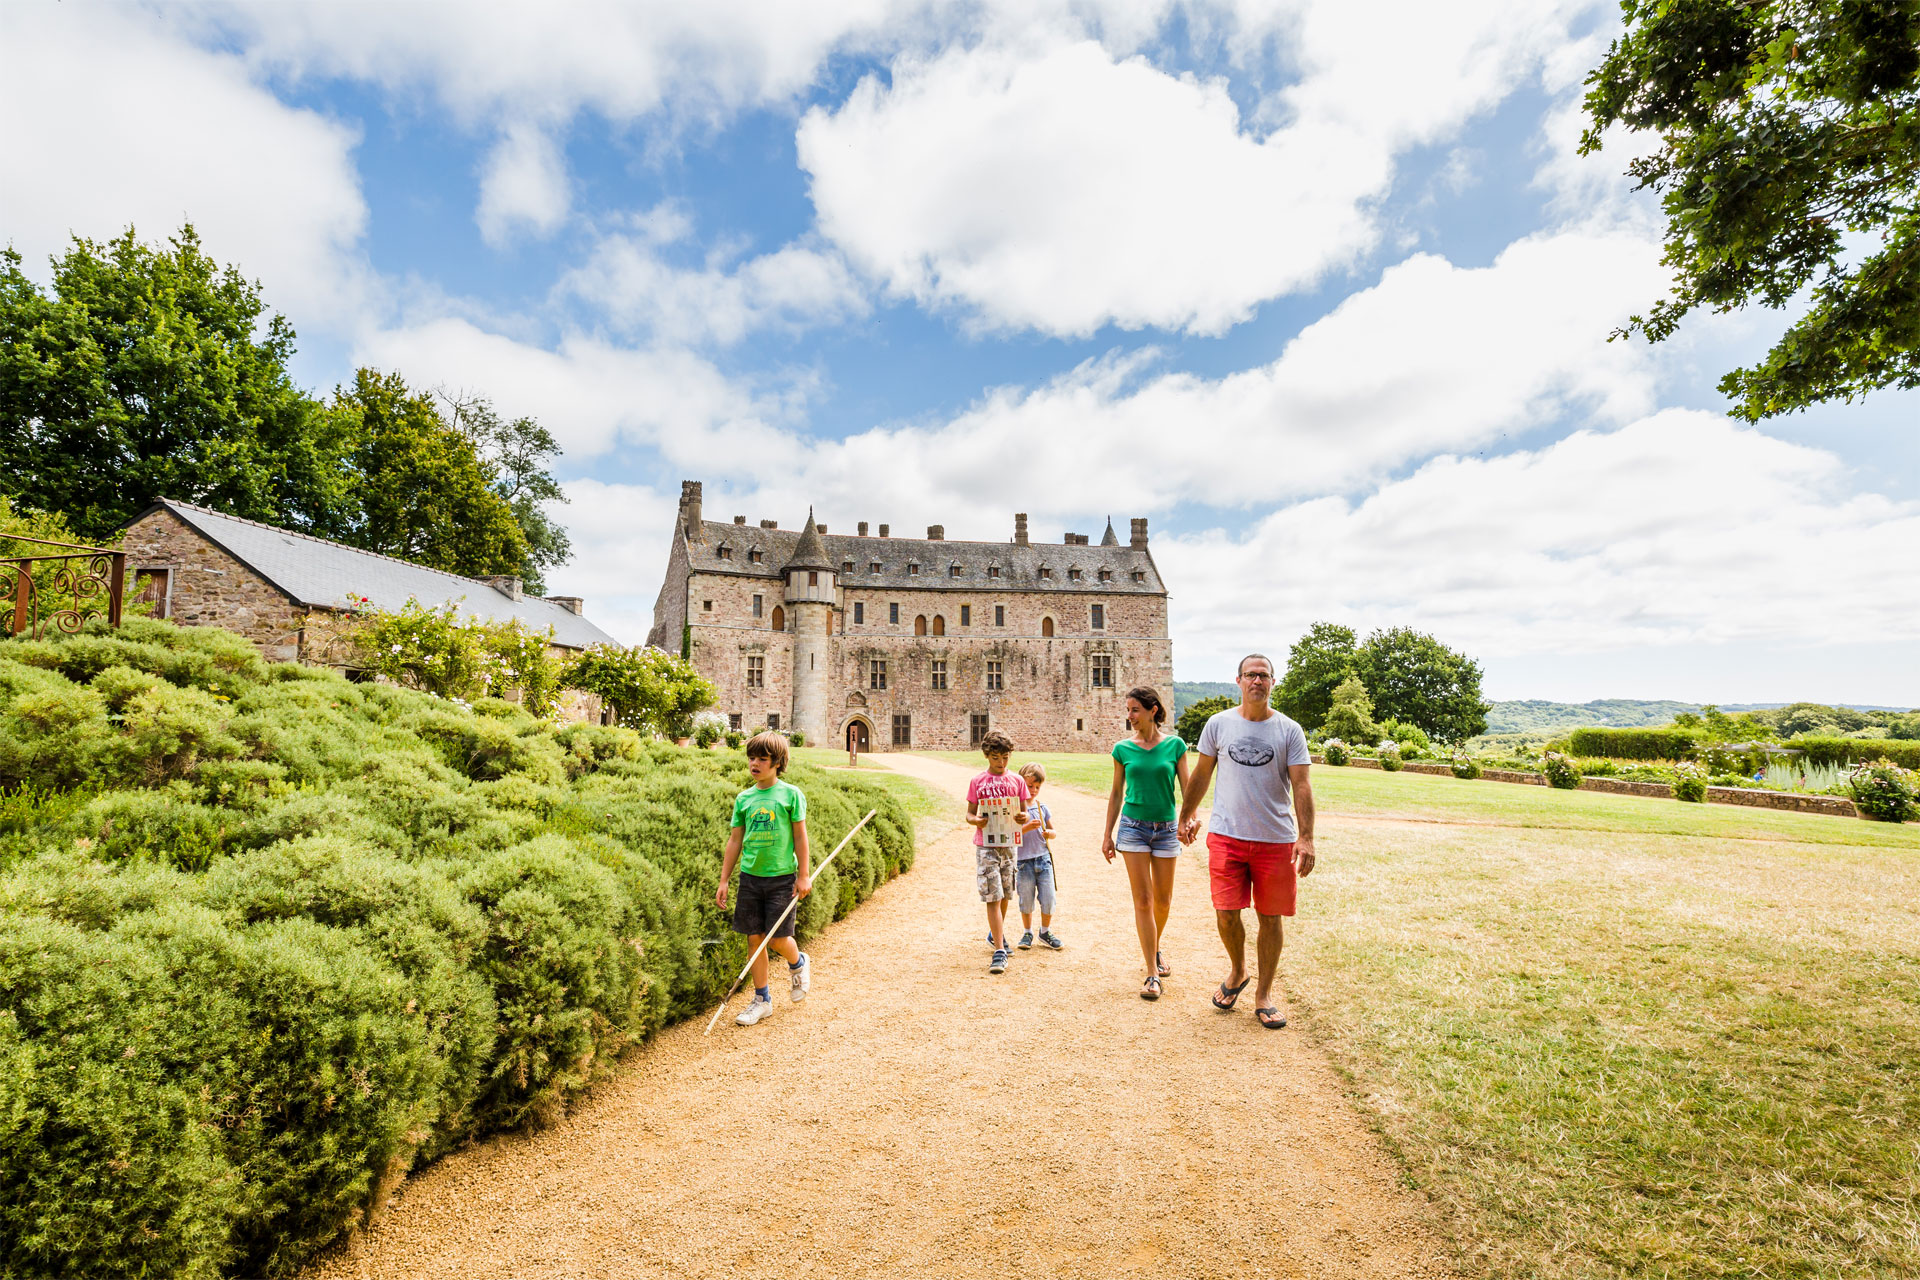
<point x="1620" y="1037"/>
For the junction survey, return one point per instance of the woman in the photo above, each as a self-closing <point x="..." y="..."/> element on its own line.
<point x="1149" y="776"/>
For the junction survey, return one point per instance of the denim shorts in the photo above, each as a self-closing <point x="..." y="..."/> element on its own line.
<point x="1161" y="839"/>
<point x="1034" y="879"/>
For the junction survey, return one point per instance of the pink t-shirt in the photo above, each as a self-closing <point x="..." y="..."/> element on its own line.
<point x="1004" y="799"/>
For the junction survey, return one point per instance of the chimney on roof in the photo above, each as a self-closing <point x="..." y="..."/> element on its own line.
<point x="572" y="604"/>
<point x="936" y="532"/>
<point x="883" y="530"/>
<point x="689" y="512"/>
<point x="1139" y="532"/>
<point x="507" y="584"/>
<point x="769" y="524"/>
<point x="863" y="528"/>
<point x="820" y="528"/>
<point x="1020" y="529"/>
<point x="1076" y="540"/>
<point x="739" y="519"/>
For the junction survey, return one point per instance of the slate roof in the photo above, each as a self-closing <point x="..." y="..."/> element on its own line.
<point x="322" y="574"/>
<point x="1019" y="565"/>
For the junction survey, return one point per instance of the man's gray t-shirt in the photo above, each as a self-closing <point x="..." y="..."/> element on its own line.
<point x="1253" y="797"/>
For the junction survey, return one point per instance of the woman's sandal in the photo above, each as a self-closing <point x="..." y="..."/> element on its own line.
<point x="1271" y="1023"/>
<point x="1231" y="993"/>
<point x="1160" y="963"/>
<point x="1151" y="991"/>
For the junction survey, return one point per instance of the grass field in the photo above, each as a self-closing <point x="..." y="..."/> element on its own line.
<point x="1620" y="1037"/>
<point x="933" y="811"/>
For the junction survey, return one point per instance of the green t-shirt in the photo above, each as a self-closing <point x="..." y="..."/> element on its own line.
<point x="1153" y="786"/>
<point x="766" y="816"/>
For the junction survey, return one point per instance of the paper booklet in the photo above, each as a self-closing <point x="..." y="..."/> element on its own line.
<point x="1004" y="815"/>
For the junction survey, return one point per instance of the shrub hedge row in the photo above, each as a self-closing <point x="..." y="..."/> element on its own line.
<point x="1634" y="744"/>
<point x="268" y="938"/>
<point x="1857" y="750"/>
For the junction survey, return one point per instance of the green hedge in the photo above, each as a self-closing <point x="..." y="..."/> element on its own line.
<point x="1634" y="744"/>
<point x="268" y="937"/>
<point x="1856" y="750"/>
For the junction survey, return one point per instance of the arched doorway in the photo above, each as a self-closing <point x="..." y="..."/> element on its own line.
<point x="1046" y="628"/>
<point x="939" y="625"/>
<point x="920" y="625"/>
<point x="779" y="618"/>
<point x="857" y="736"/>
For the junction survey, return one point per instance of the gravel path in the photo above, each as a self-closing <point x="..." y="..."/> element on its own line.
<point x="917" y="1116"/>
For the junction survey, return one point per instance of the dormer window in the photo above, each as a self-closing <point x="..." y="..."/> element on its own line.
<point x="1045" y="573"/>
<point x="913" y="570"/>
<point x="723" y="551"/>
<point x="846" y="566"/>
<point x="1139" y="575"/>
<point x="1073" y="575"/>
<point x="756" y="555"/>
<point x="874" y="567"/>
<point x="954" y="570"/>
<point x="1106" y="575"/>
<point x="993" y="571"/>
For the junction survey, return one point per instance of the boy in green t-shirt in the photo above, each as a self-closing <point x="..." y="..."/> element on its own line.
<point x="769" y="844"/>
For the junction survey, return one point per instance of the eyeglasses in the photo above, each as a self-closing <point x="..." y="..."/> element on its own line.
<point x="1258" y="675"/>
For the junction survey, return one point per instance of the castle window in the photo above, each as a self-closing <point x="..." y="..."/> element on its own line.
<point x="876" y="673"/>
<point x="874" y="567"/>
<point x="859" y="613"/>
<point x="1139" y="575"/>
<point x="1106" y="575"/>
<point x="724" y="552"/>
<point x="966" y="615"/>
<point x="920" y="625"/>
<point x="940" y="673"/>
<point x="1099" y="619"/>
<point x="779" y="618"/>
<point x="976" y="727"/>
<point x="939" y="624"/>
<point x="902" y="730"/>
<point x="813" y="577"/>
<point x="999" y="615"/>
<point x="912" y="569"/>
<point x="1046" y="628"/>
<point x="953" y="571"/>
<point x="773" y="719"/>
<point x="1045" y="572"/>
<point x="1073" y="575"/>
<point x="706" y="606"/>
<point x="733" y="721"/>
<point x="756" y="671"/>
<point x="996" y="676"/>
<point x="993" y="571"/>
<point x="1100" y="668"/>
<point x="756" y="606"/>
<point x="756" y="555"/>
<point x="846" y="566"/>
<point x="893" y="615"/>
<point x="1079" y="726"/>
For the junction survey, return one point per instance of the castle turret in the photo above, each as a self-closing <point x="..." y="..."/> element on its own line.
<point x="1109" y="538"/>
<point x="811" y="596"/>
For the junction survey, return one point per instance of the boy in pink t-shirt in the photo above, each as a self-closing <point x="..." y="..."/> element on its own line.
<point x="997" y="808"/>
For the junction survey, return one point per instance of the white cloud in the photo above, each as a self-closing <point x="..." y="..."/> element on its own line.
<point x="628" y="280"/>
<point x="621" y="537"/>
<point x="114" y="122"/>
<point x="523" y="186"/>
<point x="1678" y="530"/>
<point x="1063" y="188"/>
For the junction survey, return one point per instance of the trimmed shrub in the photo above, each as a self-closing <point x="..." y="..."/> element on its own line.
<point x="797" y="738"/>
<point x="736" y="739"/>
<point x="1560" y="771"/>
<point x="1635" y="744"/>
<point x="1335" y="752"/>
<point x="1389" y="752"/>
<point x="1883" y="791"/>
<point x="1464" y="766"/>
<point x="1858" y="751"/>
<point x="1689" y="783"/>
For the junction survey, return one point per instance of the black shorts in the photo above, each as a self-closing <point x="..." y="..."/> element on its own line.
<point x="759" y="903"/>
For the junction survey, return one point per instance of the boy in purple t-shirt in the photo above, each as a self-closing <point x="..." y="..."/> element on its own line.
<point x="997" y="809"/>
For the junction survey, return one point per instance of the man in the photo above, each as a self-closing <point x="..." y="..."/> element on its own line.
<point x="1255" y="848"/>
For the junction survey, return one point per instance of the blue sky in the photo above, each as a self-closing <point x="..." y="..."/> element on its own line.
<point x="1319" y="287"/>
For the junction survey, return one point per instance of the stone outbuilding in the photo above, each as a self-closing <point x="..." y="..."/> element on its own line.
<point x="290" y="593"/>
<point x="883" y="642"/>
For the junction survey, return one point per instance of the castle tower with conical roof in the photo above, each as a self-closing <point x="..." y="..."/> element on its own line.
<point x="810" y="597"/>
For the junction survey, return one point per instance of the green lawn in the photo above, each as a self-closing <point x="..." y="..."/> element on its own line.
<point x="933" y="810"/>
<point x="1622" y="1037"/>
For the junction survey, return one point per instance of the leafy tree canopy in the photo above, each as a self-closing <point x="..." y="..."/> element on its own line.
<point x="1419" y="681"/>
<point x="649" y="689"/>
<point x="1195" y="717"/>
<point x="1317" y="663"/>
<point x="1350" y="714"/>
<point x="1788" y="158"/>
<point x="519" y="452"/>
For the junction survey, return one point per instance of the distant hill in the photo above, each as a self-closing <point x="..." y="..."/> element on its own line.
<point x="1188" y="692"/>
<point x="1535" y="716"/>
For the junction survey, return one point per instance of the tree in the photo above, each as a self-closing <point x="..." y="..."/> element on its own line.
<point x="1317" y="663"/>
<point x="1195" y="717"/>
<point x="1350" y="714"/>
<point x="151" y="371"/>
<point x="518" y="451"/>
<point x="1418" y="680"/>
<point x="649" y="689"/>
<point x="425" y="495"/>
<point x="1789" y="158"/>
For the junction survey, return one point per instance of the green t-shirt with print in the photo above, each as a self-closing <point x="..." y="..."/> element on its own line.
<point x="765" y="816"/>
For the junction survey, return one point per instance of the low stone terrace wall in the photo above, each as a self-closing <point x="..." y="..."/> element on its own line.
<point x="1752" y="797"/>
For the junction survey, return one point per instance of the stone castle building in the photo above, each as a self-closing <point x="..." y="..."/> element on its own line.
<point x="915" y="642"/>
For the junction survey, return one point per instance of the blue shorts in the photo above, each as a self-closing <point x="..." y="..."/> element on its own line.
<point x="1161" y="839"/>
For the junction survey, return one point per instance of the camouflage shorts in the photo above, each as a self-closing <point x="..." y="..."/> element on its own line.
<point x="993" y="873"/>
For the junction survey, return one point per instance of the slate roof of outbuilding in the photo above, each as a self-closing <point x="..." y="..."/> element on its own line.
<point x="323" y="575"/>
<point x="1019" y="565"/>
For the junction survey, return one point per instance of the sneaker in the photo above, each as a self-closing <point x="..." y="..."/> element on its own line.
<point x="1026" y="940"/>
<point x="1052" y="939"/>
<point x="999" y="964"/>
<point x="802" y="977"/>
<point x="757" y="1010"/>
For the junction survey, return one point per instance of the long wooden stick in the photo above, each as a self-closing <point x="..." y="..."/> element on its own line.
<point x="748" y="967"/>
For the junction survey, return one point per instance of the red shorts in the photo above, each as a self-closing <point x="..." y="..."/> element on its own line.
<point x="1251" y="873"/>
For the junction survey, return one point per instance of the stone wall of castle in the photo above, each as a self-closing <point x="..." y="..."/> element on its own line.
<point x="209" y="588"/>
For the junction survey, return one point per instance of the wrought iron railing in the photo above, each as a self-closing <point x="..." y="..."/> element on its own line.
<point x="60" y="591"/>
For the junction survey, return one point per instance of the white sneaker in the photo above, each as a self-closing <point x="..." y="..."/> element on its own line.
<point x="802" y="978"/>
<point x="756" y="1010"/>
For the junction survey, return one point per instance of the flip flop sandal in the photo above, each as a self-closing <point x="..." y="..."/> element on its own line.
<point x="1273" y="1023"/>
<point x="1151" y="991"/>
<point x="1231" y="993"/>
<point x="1160" y="963"/>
